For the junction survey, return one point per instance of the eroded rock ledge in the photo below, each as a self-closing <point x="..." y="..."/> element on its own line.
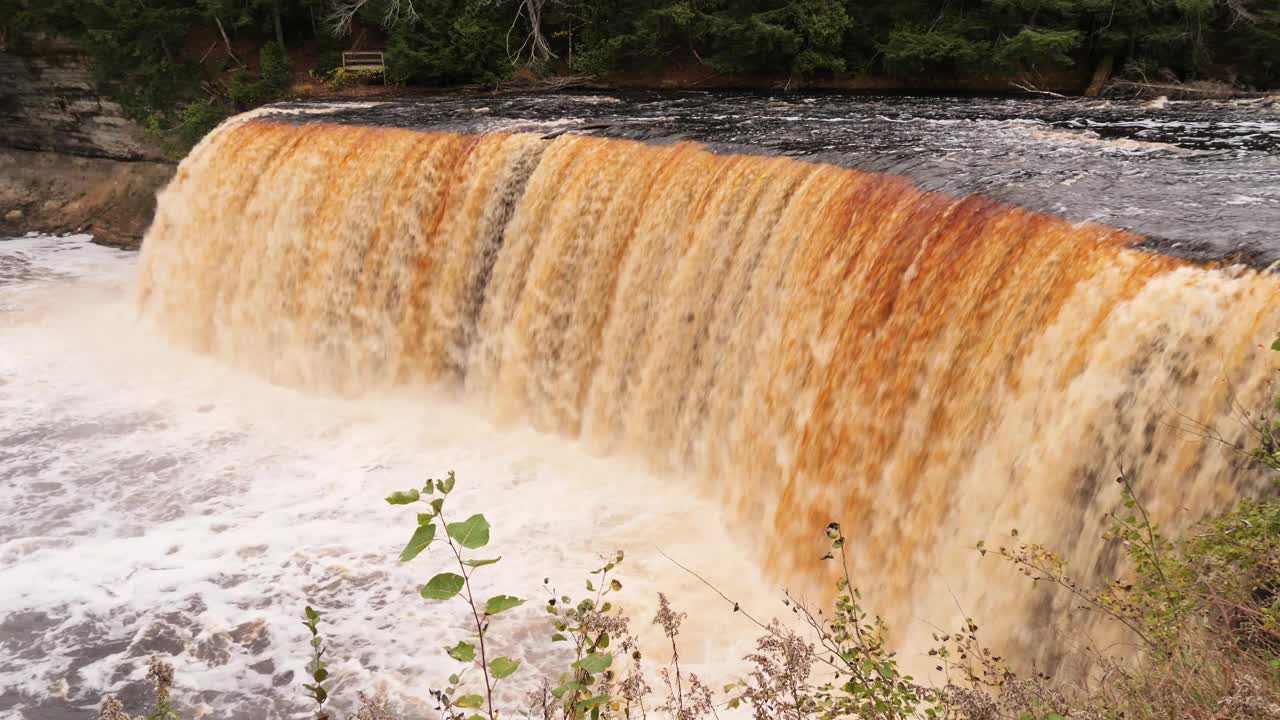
<point x="53" y="192"/>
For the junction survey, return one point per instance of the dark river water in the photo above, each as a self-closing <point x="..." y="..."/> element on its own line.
<point x="1200" y="180"/>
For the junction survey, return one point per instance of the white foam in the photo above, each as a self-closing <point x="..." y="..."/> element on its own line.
<point x="155" y="501"/>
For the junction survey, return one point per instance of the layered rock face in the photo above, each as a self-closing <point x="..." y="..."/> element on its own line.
<point x="69" y="159"/>
<point x="49" y="102"/>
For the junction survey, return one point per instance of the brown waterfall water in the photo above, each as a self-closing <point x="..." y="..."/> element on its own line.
<point x="805" y="343"/>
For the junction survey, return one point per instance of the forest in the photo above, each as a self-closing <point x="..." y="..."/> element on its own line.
<point x="144" y="56"/>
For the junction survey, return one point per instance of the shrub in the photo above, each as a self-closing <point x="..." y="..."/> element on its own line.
<point x="245" y="91"/>
<point x="341" y="77"/>
<point x="909" y="53"/>
<point x="273" y="68"/>
<point x="1030" y="48"/>
<point x="196" y="120"/>
<point x="454" y="42"/>
<point x="1204" y="609"/>
<point x="175" y="136"/>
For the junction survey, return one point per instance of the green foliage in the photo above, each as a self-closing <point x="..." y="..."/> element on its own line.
<point x="246" y="90"/>
<point x="176" y="135"/>
<point x="443" y="586"/>
<point x="592" y="626"/>
<point x="469" y="534"/>
<point x="1031" y="48"/>
<point x="1205" y="610"/>
<point x="316" y="667"/>
<point x="866" y="681"/>
<point x="273" y="68"/>
<point x="141" y="54"/>
<point x="196" y="120"/>
<point x="454" y="41"/>
<point x="341" y="77"/>
<point x="911" y="53"/>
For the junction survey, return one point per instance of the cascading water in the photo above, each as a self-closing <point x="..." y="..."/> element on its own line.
<point x="808" y="342"/>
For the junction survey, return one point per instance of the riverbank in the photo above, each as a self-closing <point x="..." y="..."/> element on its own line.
<point x="1066" y="85"/>
<point x="51" y="192"/>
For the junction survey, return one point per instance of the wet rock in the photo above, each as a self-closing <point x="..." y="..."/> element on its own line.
<point x="14" y="216"/>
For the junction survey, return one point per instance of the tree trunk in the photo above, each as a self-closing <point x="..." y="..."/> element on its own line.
<point x="1101" y="74"/>
<point x="279" y="25"/>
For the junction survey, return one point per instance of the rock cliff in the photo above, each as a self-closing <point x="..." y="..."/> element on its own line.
<point x="69" y="158"/>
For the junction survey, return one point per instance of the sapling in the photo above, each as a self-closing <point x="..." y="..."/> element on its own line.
<point x="316" y="667"/>
<point x="460" y="537"/>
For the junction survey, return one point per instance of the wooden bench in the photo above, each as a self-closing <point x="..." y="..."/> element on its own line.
<point x="365" y="61"/>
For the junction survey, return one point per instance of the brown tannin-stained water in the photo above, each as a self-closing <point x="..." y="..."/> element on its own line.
<point x="682" y="345"/>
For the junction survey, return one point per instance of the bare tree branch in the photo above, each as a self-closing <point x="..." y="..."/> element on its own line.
<point x="343" y="12"/>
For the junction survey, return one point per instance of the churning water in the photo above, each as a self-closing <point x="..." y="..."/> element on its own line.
<point x="157" y="502"/>
<point x="725" y="351"/>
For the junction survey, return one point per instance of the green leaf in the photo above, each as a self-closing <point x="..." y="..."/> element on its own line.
<point x="502" y="667"/>
<point x="558" y="637"/>
<point x="571" y="686"/>
<point x="422" y="537"/>
<point x="471" y="533"/>
<point x="480" y="563"/>
<point x="436" y="505"/>
<point x="312" y="615"/>
<point x="586" y="705"/>
<point x="469" y="701"/>
<point x="320" y="674"/>
<point x="426" y="518"/>
<point x="403" y="498"/>
<point x="501" y="603"/>
<point x="446" y="486"/>
<point x="319" y="693"/>
<point x="442" y="586"/>
<point x="462" y="652"/>
<point x="595" y="663"/>
<point x="1276" y="345"/>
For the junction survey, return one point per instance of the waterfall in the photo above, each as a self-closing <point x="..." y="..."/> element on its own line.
<point x="805" y="342"/>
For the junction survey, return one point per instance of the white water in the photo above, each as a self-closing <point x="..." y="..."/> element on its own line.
<point x="153" y="501"/>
